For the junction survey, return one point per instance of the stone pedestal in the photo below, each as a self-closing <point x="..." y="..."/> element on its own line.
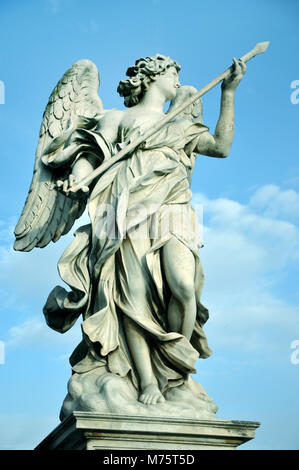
<point x="90" y="431"/>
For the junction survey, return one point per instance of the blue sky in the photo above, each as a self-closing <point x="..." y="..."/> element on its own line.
<point x="251" y="199"/>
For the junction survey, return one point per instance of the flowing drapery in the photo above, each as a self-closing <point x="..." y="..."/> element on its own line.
<point x="134" y="208"/>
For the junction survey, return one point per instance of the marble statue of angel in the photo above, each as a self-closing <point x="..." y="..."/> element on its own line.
<point x="134" y="271"/>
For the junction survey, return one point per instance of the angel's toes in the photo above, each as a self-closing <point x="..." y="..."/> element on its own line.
<point x="143" y="398"/>
<point x="157" y="398"/>
<point x="151" y="395"/>
<point x="161" y="399"/>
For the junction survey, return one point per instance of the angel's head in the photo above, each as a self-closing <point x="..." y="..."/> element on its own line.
<point x="143" y="74"/>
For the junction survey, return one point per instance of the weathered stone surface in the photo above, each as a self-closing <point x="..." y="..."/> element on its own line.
<point x="90" y="431"/>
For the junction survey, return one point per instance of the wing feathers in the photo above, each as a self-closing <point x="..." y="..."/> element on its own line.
<point x="48" y="213"/>
<point x="63" y="220"/>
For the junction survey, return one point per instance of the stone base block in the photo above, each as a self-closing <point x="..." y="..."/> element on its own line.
<point x="90" y="431"/>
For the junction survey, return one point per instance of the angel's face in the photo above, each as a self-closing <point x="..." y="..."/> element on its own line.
<point x="168" y="83"/>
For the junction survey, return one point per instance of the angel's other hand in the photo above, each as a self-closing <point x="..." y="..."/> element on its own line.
<point x="237" y="72"/>
<point x="67" y="185"/>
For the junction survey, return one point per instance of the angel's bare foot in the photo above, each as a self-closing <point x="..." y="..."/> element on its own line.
<point x="151" y="395"/>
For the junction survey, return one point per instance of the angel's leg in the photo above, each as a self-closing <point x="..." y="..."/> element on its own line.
<point x="179" y="267"/>
<point x="138" y="345"/>
<point x="133" y="256"/>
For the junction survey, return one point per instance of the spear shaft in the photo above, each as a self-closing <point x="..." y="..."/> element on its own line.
<point x="258" y="49"/>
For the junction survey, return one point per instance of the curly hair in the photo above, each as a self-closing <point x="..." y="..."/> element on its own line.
<point x="141" y="75"/>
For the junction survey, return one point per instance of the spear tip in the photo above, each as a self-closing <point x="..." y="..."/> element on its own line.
<point x="262" y="46"/>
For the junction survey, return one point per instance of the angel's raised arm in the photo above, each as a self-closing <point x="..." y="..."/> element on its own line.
<point x="219" y="144"/>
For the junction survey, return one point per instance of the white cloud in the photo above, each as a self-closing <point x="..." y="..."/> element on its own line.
<point x="276" y="203"/>
<point x="34" y="333"/>
<point x="269" y="237"/>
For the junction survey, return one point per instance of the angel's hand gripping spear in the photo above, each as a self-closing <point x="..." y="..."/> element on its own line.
<point x="131" y="146"/>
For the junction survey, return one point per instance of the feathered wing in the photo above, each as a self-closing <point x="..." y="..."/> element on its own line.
<point x="192" y="112"/>
<point x="48" y="213"/>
